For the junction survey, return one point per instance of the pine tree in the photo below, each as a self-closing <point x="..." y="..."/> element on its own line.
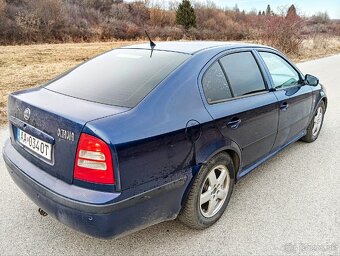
<point x="185" y="15"/>
<point x="268" y="10"/>
<point x="291" y="13"/>
<point x="236" y="9"/>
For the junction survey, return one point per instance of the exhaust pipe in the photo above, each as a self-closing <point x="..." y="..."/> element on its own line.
<point x="42" y="212"/>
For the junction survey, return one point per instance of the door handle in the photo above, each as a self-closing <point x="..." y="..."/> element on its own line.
<point x="284" y="106"/>
<point x="234" y="123"/>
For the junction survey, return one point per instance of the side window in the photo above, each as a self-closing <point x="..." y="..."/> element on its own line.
<point x="215" y="84"/>
<point x="243" y="73"/>
<point x="282" y="73"/>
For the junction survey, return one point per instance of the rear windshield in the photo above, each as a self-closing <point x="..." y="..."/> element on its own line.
<point x="122" y="77"/>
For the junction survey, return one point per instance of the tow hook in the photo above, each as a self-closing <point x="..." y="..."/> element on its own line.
<point x="42" y="212"/>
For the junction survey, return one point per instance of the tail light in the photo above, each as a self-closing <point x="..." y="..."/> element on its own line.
<point x="93" y="161"/>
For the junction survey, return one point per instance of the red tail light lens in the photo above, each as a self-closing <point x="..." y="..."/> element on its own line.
<point x="93" y="161"/>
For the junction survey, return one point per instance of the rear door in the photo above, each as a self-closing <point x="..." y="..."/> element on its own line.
<point x="239" y="101"/>
<point x="295" y="98"/>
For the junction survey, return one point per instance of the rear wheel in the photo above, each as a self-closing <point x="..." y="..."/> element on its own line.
<point x="210" y="193"/>
<point x="314" y="127"/>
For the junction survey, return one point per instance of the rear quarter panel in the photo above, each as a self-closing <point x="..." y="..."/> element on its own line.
<point x="151" y="140"/>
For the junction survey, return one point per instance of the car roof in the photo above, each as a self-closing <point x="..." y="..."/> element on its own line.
<point x="192" y="47"/>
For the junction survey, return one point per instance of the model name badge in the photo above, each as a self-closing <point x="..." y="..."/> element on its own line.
<point x="66" y="135"/>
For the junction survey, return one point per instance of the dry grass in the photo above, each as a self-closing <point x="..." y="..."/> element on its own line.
<point x="317" y="47"/>
<point x="22" y="67"/>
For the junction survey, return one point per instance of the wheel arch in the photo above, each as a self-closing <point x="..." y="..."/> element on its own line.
<point x="235" y="156"/>
<point x="206" y="148"/>
<point x="315" y="107"/>
<point x="232" y="150"/>
<point x="236" y="160"/>
<point x="324" y="99"/>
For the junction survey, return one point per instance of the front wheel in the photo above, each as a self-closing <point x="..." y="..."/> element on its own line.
<point x="210" y="193"/>
<point x="314" y="127"/>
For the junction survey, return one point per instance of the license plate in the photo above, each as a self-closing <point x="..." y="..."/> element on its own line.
<point x="39" y="147"/>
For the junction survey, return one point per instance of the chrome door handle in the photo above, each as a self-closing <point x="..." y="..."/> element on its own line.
<point x="284" y="106"/>
<point x="234" y="123"/>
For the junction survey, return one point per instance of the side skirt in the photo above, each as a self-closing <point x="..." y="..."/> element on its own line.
<point x="248" y="169"/>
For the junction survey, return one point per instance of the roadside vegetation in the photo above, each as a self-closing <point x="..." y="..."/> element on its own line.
<point x="60" y="21"/>
<point x="40" y="39"/>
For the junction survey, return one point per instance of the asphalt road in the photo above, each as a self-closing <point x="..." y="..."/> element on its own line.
<point x="289" y="205"/>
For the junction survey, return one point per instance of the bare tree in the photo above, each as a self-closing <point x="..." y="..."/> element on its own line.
<point x="2" y="5"/>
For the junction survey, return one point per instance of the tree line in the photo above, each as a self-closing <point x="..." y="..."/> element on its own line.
<point x="54" y="21"/>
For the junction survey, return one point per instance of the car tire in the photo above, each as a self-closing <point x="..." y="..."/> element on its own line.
<point x="210" y="193"/>
<point x="315" y="125"/>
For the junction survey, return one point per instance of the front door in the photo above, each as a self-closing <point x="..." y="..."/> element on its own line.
<point x="294" y="98"/>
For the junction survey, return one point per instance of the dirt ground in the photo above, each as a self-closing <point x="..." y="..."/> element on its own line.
<point x="27" y="66"/>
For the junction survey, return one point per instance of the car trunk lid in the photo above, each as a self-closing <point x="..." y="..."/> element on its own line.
<point x="49" y="118"/>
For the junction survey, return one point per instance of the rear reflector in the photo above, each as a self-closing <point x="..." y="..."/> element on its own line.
<point x="93" y="161"/>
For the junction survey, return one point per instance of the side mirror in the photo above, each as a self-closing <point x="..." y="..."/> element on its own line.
<point x="311" y="80"/>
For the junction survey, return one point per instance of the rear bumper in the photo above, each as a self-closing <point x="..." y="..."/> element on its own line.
<point x="96" y="213"/>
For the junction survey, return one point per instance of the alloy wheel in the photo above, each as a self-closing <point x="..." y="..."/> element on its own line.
<point x="214" y="191"/>
<point x="317" y="121"/>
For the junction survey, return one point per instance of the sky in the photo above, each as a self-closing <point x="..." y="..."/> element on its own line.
<point x="306" y="7"/>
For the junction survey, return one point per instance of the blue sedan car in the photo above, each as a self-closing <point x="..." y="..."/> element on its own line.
<point x="141" y="134"/>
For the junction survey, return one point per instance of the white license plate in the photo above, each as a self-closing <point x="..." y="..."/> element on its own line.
<point x="39" y="147"/>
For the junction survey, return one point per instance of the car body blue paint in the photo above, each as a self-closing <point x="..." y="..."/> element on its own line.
<point x="193" y="47"/>
<point x="157" y="147"/>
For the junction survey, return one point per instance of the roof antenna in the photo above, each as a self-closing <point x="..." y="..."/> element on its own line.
<point x="152" y="44"/>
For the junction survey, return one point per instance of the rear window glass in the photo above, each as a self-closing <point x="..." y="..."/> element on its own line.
<point x="122" y="77"/>
<point x="215" y="84"/>
<point x="243" y="73"/>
